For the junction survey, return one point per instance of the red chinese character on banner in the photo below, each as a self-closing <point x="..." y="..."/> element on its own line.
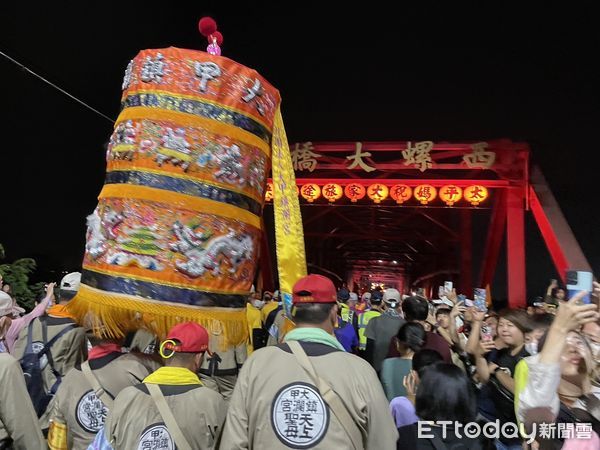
<point x="269" y="192"/>
<point x="355" y="192"/>
<point x="425" y="193"/>
<point x="476" y="194"/>
<point x="332" y="192"/>
<point x="378" y="192"/>
<point x="401" y="193"/>
<point x="310" y="192"/>
<point x="450" y="194"/>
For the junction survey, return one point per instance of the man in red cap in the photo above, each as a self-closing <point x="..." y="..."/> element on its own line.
<point x="316" y="395"/>
<point x="171" y="408"/>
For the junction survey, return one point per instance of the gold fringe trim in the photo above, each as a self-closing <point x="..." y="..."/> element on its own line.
<point x="112" y="315"/>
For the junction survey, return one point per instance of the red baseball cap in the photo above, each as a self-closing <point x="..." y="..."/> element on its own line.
<point x="314" y="289"/>
<point x="189" y="337"/>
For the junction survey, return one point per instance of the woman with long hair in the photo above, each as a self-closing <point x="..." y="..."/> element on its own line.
<point x="444" y="394"/>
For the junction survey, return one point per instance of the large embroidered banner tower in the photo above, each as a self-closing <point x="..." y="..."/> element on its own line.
<point x="176" y="233"/>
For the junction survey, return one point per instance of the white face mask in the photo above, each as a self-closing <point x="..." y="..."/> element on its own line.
<point x="532" y="348"/>
<point x="258" y="303"/>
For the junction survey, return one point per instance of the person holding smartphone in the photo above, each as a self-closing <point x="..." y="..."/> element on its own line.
<point x="554" y="293"/>
<point x="496" y="369"/>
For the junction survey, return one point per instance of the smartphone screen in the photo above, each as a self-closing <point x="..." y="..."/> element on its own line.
<point x="486" y="333"/>
<point x="480" y="299"/>
<point x="448" y="286"/>
<point x="580" y="280"/>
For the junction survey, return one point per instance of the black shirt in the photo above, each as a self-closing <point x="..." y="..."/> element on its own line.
<point x="503" y="399"/>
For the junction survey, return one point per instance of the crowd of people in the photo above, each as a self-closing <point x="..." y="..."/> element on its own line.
<point x="356" y="370"/>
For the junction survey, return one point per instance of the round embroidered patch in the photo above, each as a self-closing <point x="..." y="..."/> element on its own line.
<point x="91" y="412"/>
<point x="299" y="415"/>
<point x="156" y="437"/>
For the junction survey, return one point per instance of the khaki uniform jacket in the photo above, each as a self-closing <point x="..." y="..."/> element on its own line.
<point x="18" y="420"/>
<point x="219" y="371"/>
<point x="135" y="423"/>
<point x="144" y="342"/>
<point x="278" y="327"/>
<point x="68" y="351"/>
<point x="76" y="404"/>
<point x="285" y="410"/>
<point x="223" y="362"/>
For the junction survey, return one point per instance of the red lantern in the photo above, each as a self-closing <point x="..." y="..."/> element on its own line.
<point x="401" y="193"/>
<point x="310" y="192"/>
<point x="450" y="194"/>
<point x="425" y="193"/>
<point x="476" y="194"/>
<point x="269" y="192"/>
<point x="355" y="192"/>
<point x="332" y="192"/>
<point x="378" y="192"/>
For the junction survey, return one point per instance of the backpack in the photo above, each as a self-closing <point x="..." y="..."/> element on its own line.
<point x="32" y="369"/>
<point x="271" y="318"/>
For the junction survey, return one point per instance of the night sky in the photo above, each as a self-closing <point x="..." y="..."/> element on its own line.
<point x="363" y="73"/>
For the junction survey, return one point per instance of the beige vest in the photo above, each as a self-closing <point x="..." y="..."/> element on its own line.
<point x="68" y="351"/>
<point x="76" y="404"/>
<point x="18" y="420"/>
<point x="223" y="361"/>
<point x="144" y="342"/>
<point x="135" y="423"/>
<point x="277" y="328"/>
<point x="284" y="409"/>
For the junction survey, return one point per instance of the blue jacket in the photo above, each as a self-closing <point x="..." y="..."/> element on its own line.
<point x="346" y="335"/>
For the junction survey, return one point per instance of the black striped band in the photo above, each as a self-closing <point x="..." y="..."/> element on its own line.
<point x="198" y="108"/>
<point x="183" y="186"/>
<point x="155" y="291"/>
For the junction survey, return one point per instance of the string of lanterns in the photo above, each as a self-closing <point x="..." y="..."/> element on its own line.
<point x="425" y="193"/>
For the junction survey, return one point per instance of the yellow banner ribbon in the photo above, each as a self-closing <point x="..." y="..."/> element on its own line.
<point x="289" y="236"/>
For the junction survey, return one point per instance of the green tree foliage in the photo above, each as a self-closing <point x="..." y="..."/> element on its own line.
<point x="16" y="274"/>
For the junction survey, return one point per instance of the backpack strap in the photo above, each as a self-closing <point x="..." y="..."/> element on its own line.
<point x="329" y="395"/>
<point x="46" y="350"/>
<point x="167" y="415"/>
<point x="29" y="347"/>
<point x="96" y="386"/>
<point x="437" y="443"/>
<point x="49" y="344"/>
